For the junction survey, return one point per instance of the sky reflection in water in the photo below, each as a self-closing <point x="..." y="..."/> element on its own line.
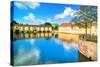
<point x="44" y="50"/>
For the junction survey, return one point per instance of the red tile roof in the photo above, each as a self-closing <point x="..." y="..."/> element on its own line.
<point x="66" y="24"/>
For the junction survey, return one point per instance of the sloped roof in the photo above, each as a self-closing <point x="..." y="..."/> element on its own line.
<point x="66" y="24"/>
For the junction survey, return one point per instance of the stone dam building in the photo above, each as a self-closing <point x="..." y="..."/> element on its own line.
<point x="30" y="28"/>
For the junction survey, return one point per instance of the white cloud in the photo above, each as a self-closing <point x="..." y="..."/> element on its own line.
<point x="67" y="12"/>
<point x="39" y="21"/>
<point x="26" y="5"/>
<point x="22" y="58"/>
<point x="31" y="19"/>
<point x="32" y="5"/>
<point x="48" y="20"/>
<point x="20" y="5"/>
<point x="69" y="46"/>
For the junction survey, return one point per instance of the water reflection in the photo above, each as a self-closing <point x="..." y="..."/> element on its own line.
<point x="43" y="48"/>
<point x="68" y="37"/>
<point x="37" y="49"/>
<point x="31" y="35"/>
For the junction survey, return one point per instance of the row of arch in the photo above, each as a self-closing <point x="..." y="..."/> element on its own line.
<point x="31" y="28"/>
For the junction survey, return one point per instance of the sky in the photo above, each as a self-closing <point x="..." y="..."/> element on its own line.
<point x="38" y="13"/>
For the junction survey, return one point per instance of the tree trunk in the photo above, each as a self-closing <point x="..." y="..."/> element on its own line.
<point x="86" y="30"/>
<point x="90" y="29"/>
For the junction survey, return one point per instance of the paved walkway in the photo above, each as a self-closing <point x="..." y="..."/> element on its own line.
<point x="88" y="49"/>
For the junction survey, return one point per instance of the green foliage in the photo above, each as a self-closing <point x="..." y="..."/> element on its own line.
<point x="56" y="27"/>
<point x="86" y="14"/>
<point x="13" y="22"/>
<point x="47" y="24"/>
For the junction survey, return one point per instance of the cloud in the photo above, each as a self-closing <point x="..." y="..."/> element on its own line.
<point x="51" y="20"/>
<point x="48" y="20"/>
<point x="67" y="12"/>
<point x="20" y="5"/>
<point x="32" y="5"/>
<point x="26" y="5"/>
<point x="69" y="46"/>
<point x="27" y="56"/>
<point x="31" y="19"/>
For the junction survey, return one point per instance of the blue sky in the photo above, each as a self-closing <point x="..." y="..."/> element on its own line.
<point x="39" y="13"/>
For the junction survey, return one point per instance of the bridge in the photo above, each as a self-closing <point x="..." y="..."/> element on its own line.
<point x="30" y="28"/>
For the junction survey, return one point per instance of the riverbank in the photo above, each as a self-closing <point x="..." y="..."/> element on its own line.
<point x="88" y="49"/>
<point x="83" y="58"/>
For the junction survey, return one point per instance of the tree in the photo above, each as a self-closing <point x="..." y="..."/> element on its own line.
<point x="89" y="14"/>
<point x="13" y="22"/>
<point x="56" y="27"/>
<point x="47" y="24"/>
<point x="86" y="14"/>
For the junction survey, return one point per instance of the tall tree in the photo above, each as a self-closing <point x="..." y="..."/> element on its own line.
<point x="88" y="15"/>
<point x="13" y="22"/>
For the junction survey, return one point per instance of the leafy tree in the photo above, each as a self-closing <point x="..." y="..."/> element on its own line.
<point x="13" y="22"/>
<point x="48" y="24"/>
<point x="56" y="27"/>
<point x="86" y="14"/>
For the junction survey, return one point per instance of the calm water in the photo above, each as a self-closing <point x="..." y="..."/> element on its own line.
<point x="43" y="49"/>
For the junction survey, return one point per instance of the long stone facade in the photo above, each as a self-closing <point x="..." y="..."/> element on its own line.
<point x="30" y="28"/>
<point x="74" y="29"/>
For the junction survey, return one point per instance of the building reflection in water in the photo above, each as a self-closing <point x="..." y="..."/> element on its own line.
<point x="86" y="50"/>
<point x="68" y="37"/>
<point x="31" y="35"/>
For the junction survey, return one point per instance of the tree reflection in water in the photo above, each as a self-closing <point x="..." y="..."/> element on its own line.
<point x="43" y="48"/>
